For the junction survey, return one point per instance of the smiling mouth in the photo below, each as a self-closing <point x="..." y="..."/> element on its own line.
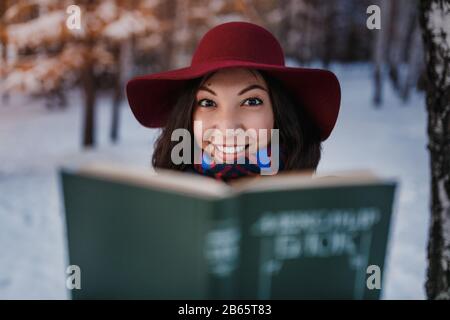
<point x="230" y="149"/>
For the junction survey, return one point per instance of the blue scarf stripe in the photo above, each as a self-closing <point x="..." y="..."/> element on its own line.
<point x="226" y="171"/>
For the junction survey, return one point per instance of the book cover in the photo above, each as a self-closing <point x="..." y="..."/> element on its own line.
<point x="181" y="236"/>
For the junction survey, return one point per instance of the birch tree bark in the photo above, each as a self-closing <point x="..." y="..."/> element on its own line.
<point x="435" y="24"/>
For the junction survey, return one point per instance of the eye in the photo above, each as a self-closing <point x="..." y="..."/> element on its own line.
<point x="207" y="103"/>
<point x="253" y="102"/>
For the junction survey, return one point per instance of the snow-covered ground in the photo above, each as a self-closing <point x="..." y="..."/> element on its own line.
<point x="392" y="142"/>
<point x="35" y="142"/>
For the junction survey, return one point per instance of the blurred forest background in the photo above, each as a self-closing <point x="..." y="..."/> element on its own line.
<point x="119" y="39"/>
<point x="62" y="99"/>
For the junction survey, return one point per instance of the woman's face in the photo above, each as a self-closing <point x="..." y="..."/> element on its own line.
<point x="235" y="99"/>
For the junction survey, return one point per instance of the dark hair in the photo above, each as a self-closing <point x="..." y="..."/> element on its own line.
<point x="299" y="136"/>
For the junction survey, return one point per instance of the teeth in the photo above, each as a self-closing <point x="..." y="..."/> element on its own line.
<point x="227" y="149"/>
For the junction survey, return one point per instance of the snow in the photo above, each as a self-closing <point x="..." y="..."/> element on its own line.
<point x="216" y="5"/>
<point x="130" y="23"/>
<point x="392" y="142"/>
<point x="37" y="31"/>
<point x="107" y="10"/>
<point x="35" y="142"/>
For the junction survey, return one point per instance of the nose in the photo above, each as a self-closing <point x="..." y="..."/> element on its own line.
<point x="227" y="123"/>
<point x="228" y="119"/>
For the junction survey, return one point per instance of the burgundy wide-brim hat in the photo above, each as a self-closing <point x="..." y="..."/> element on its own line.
<point x="237" y="44"/>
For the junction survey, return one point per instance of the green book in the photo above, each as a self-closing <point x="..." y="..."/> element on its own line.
<point x="135" y="234"/>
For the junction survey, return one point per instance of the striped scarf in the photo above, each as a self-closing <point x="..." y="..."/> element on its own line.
<point x="227" y="172"/>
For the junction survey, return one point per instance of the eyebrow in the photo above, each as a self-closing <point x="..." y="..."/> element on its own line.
<point x="250" y="87"/>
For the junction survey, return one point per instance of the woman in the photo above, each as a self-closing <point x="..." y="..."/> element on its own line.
<point x="232" y="99"/>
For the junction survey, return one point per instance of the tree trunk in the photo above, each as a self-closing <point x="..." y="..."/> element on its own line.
<point x="381" y="44"/>
<point x="328" y="10"/>
<point x="89" y="101"/>
<point x="4" y="44"/>
<point x="117" y="97"/>
<point x="402" y="16"/>
<point x="124" y="62"/>
<point x="415" y="63"/>
<point x="284" y="25"/>
<point x="434" y="20"/>
<point x="168" y="45"/>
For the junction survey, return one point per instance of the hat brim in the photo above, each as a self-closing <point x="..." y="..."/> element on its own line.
<point x="151" y="97"/>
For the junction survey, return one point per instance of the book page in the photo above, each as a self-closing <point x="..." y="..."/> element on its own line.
<point x="304" y="179"/>
<point x="187" y="183"/>
<point x="197" y="185"/>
